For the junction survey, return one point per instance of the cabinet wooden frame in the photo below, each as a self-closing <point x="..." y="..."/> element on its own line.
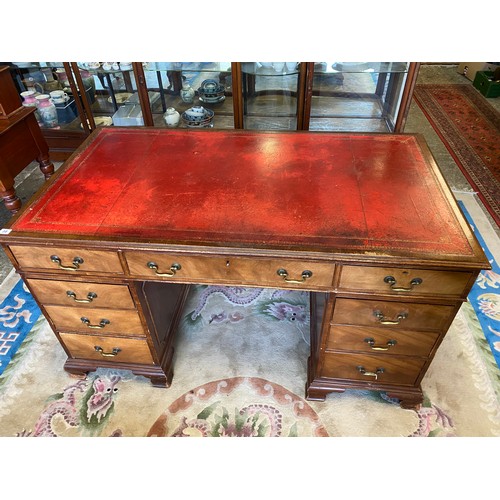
<point x="63" y="142"/>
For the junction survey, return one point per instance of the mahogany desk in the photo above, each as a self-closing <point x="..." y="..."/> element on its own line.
<point x="365" y="222"/>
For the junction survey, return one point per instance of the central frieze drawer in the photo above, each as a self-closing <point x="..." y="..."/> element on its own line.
<point x="67" y="260"/>
<point x="117" y="350"/>
<point x="400" y="281"/>
<point x="103" y="321"/>
<point x="389" y="314"/>
<point x="373" y="368"/>
<point x="79" y="294"/>
<point x="241" y="270"/>
<point x="379" y="339"/>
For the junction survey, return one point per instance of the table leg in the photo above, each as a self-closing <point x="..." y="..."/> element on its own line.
<point x="12" y="202"/>
<point x="46" y="166"/>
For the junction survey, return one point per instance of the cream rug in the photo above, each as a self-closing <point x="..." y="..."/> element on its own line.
<point x="240" y="371"/>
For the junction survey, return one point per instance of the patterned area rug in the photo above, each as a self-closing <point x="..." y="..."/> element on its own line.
<point x="240" y="371"/>
<point x="485" y="295"/>
<point x="18" y="313"/>
<point x="470" y="129"/>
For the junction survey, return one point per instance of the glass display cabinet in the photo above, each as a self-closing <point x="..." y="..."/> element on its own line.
<point x="272" y="95"/>
<point x="63" y="128"/>
<point x="358" y="96"/>
<point x="159" y="93"/>
<point x="316" y="96"/>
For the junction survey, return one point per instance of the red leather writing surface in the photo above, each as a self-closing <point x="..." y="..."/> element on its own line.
<point x="287" y="190"/>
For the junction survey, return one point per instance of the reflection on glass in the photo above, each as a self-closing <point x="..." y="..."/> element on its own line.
<point x="356" y="96"/>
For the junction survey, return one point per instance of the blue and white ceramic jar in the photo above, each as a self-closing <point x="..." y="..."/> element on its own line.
<point x="187" y="93"/>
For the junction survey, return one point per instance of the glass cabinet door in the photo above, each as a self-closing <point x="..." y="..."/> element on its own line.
<point x="46" y="85"/>
<point x="190" y="94"/>
<point x="271" y="95"/>
<point x="111" y="93"/>
<point x="356" y="96"/>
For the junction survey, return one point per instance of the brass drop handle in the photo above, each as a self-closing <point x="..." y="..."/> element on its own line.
<point x="371" y="342"/>
<point x="77" y="261"/>
<point x="362" y="370"/>
<point x="384" y="321"/>
<point x="284" y="274"/>
<point x="392" y="282"/>
<point x="114" y="352"/>
<point x="173" y="269"/>
<point x="101" y="324"/>
<point x="90" y="297"/>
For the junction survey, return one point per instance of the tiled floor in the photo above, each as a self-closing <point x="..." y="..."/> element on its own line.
<point x="31" y="179"/>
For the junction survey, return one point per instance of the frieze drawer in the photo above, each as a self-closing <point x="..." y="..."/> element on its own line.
<point x="67" y="260"/>
<point x="378" y="339"/>
<point x="107" y="321"/>
<point x="392" y="315"/>
<point x="382" y="369"/>
<point x="115" y="349"/>
<point x="404" y="281"/>
<point x="80" y="294"/>
<point x="264" y="272"/>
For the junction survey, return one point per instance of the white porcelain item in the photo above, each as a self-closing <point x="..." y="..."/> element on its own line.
<point x="172" y="117"/>
<point x="195" y="113"/>
<point x="59" y="96"/>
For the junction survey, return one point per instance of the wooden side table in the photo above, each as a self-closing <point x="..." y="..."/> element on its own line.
<point x="21" y="141"/>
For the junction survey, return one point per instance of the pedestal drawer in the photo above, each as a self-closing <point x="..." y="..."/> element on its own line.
<point x="376" y="339"/>
<point x="67" y="260"/>
<point x="78" y="294"/>
<point x="107" y="321"/>
<point x="239" y="270"/>
<point x="383" y="369"/>
<point x="393" y="315"/>
<point x="397" y="281"/>
<point x="117" y="350"/>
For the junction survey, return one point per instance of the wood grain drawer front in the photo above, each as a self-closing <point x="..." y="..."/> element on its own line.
<point x="382" y="369"/>
<point x="392" y="315"/>
<point x="117" y="350"/>
<point x="376" y="339"/>
<point x="67" y="260"/>
<point x="102" y="321"/>
<point x="77" y="294"/>
<point x="238" y="270"/>
<point x="404" y="281"/>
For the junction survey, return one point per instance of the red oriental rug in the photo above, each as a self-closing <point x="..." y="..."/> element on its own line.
<point x="469" y="128"/>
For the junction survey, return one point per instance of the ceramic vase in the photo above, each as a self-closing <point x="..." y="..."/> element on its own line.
<point x="47" y="111"/>
<point x="187" y="93"/>
<point x="30" y="101"/>
<point x="172" y="117"/>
